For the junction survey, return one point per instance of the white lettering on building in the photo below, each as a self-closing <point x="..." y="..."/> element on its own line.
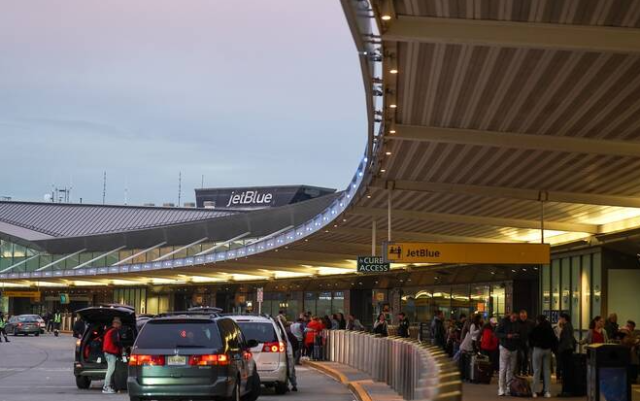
<point x="250" y="198"/>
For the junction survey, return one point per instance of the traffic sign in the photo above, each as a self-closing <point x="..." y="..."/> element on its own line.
<point x="372" y="264"/>
<point x="260" y="295"/>
<point x="481" y="253"/>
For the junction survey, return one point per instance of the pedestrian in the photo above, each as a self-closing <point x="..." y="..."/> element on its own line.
<point x="489" y="343"/>
<point x="543" y="341"/>
<point x="450" y="336"/>
<point x="403" y="325"/>
<point x="566" y="347"/>
<point x="353" y="323"/>
<point x="292" y="350"/>
<point x="78" y="327"/>
<point x="326" y="322"/>
<point x="297" y="330"/>
<point x="630" y="339"/>
<point x="509" y="335"/>
<point x="342" y="323"/>
<point x="596" y="334"/>
<point x="313" y="329"/>
<point x="49" y="322"/>
<point x="380" y="326"/>
<point x="3" y="332"/>
<point x="469" y="346"/>
<point x="112" y="348"/>
<point x="611" y="326"/>
<point x="57" y="321"/>
<point x="282" y="315"/>
<point x="437" y="330"/>
<point x="525" y="325"/>
<point x="335" y="324"/>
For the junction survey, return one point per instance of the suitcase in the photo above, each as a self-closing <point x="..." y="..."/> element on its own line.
<point x="519" y="387"/>
<point x="119" y="379"/>
<point x="317" y="348"/>
<point x="579" y="372"/>
<point x="481" y="369"/>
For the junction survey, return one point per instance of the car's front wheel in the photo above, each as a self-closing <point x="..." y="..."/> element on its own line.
<point x="83" y="382"/>
<point x="254" y="388"/>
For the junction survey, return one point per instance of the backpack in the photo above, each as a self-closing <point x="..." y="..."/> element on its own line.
<point x="519" y="387"/>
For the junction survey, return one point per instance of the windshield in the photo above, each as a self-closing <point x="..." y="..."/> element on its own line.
<point x="261" y="332"/>
<point x="179" y="335"/>
<point x="27" y="318"/>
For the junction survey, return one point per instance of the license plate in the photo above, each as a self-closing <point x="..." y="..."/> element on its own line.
<point x="176" y="360"/>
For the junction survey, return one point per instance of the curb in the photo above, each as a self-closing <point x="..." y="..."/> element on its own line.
<point x="355" y="387"/>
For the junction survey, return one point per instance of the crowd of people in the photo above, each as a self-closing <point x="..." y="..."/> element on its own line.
<point x="517" y="346"/>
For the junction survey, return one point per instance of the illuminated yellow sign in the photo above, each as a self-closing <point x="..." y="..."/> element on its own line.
<point x="481" y="253"/>
<point x="22" y="294"/>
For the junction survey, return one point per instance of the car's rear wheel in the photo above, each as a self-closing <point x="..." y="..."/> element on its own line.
<point x="135" y="399"/>
<point x="254" y="388"/>
<point x="83" y="382"/>
<point x="281" y="387"/>
<point x="37" y="334"/>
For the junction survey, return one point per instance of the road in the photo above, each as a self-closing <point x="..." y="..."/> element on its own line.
<point x="40" y="368"/>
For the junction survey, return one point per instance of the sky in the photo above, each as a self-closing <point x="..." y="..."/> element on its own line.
<point x="246" y="93"/>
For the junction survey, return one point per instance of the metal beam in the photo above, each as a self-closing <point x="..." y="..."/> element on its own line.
<point x="514" y="193"/>
<point x="513" y="34"/>
<point x="220" y="245"/>
<point x="55" y="262"/>
<point x="426" y="237"/>
<point x="477" y="220"/>
<point x="273" y="234"/>
<point x="88" y="262"/>
<point x="516" y="141"/>
<point x="20" y="263"/>
<point x="180" y="249"/>
<point x="142" y="252"/>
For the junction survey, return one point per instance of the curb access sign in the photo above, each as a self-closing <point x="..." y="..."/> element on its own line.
<point x="480" y="253"/>
<point x="372" y="264"/>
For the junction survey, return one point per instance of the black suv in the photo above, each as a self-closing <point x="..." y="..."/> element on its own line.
<point x="90" y="363"/>
<point x="192" y="355"/>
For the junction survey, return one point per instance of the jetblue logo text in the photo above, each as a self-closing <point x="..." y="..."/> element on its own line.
<point x="249" y="198"/>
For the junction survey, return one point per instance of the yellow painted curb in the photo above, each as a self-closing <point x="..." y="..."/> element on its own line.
<point x="355" y="387"/>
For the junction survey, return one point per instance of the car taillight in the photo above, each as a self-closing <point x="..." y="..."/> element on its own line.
<point x="19" y="324"/>
<point x="273" y="347"/>
<point x="209" y="360"/>
<point x="78" y="343"/>
<point x="247" y="355"/>
<point x="146" y="360"/>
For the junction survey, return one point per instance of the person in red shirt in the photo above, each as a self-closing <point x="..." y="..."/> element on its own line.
<point x="313" y="329"/>
<point x="489" y="343"/>
<point x="112" y="348"/>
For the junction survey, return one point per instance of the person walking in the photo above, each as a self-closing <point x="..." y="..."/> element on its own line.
<point x="403" y="325"/>
<point x="112" y="348"/>
<point x="596" y="334"/>
<point x="525" y="326"/>
<point x="3" y="332"/>
<point x="380" y="326"/>
<point x="543" y="340"/>
<point x="566" y="347"/>
<point x="489" y="343"/>
<point x="57" y="321"/>
<point x="437" y="330"/>
<point x="509" y="335"/>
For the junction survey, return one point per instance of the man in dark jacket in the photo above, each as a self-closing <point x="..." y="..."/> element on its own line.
<point x="78" y="327"/>
<point x="508" y="333"/>
<point x="566" y="346"/>
<point x="403" y="325"/>
<point x="611" y="326"/>
<point x="524" y="351"/>
<point x="437" y="330"/>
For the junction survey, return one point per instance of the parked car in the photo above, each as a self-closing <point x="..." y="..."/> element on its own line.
<point x="23" y="324"/>
<point x="192" y="355"/>
<point x="90" y="363"/>
<point x="270" y="352"/>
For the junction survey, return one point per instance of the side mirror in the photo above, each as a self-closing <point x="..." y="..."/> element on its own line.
<point x="252" y="343"/>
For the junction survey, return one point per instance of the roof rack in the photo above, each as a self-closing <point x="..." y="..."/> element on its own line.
<point x="211" y="309"/>
<point x="190" y="312"/>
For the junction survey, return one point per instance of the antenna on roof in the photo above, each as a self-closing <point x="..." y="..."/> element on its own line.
<point x="104" y="186"/>
<point x="179" y="187"/>
<point x="202" y="183"/>
<point x="126" y="191"/>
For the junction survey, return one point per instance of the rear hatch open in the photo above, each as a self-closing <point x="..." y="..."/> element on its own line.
<point x="270" y="351"/>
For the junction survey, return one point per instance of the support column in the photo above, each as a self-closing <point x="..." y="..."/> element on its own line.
<point x="373" y="237"/>
<point x="389" y="215"/>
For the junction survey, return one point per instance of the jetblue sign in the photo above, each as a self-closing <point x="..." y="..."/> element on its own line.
<point x="250" y="198"/>
<point x="372" y="264"/>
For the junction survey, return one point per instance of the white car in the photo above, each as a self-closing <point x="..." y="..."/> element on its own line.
<point x="270" y="354"/>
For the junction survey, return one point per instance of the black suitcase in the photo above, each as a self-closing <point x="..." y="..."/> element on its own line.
<point x="119" y="379"/>
<point x="579" y="372"/>
<point x="481" y="370"/>
<point x="317" y="348"/>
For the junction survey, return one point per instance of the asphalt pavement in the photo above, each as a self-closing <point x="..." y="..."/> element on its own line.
<point x="41" y="368"/>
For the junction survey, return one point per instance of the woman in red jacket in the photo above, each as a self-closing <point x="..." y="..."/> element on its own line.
<point x="489" y="343"/>
<point x="313" y="329"/>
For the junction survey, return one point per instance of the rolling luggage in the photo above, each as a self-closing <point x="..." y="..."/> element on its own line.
<point x="119" y="380"/>
<point x="520" y="387"/>
<point x="317" y="348"/>
<point x="481" y="369"/>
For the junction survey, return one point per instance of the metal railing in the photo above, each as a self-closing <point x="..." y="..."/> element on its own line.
<point x="416" y="371"/>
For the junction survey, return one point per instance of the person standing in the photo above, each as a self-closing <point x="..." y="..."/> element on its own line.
<point x="57" y="321"/>
<point x="596" y="334"/>
<point x="611" y="326"/>
<point x="3" y="332"/>
<point x="353" y="323"/>
<point x="509" y="335"/>
<point x="489" y="343"/>
<point x="298" y="332"/>
<point x="566" y="347"/>
<point x="403" y="325"/>
<point x="342" y="323"/>
<point x="543" y="340"/>
<point x="469" y="346"/>
<point x="437" y="330"/>
<point x="525" y="325"/>
<point x="78" y="327"/>
<point x="112" y="348"/>
<point x="380" y="326"/>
